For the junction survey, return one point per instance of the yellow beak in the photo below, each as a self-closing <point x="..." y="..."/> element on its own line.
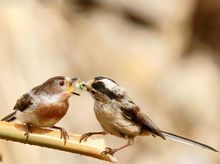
<point x="71" y="86"/>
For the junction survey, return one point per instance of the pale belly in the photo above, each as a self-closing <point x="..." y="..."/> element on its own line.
<point x="31" y="118"/>
<point x="113" y="122"/>
<point x="42" y="117"/>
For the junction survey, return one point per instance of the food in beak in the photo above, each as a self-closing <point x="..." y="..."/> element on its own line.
<point x="81" y="86"/>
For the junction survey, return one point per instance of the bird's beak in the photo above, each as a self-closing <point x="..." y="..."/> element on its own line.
<point x="71" y="86"/>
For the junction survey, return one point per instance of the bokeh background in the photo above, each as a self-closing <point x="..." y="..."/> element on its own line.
<point x="165" y="53"/>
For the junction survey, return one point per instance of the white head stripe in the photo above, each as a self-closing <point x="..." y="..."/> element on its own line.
<point x="109" y="84"/>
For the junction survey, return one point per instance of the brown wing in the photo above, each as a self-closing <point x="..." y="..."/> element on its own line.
<point x="24" y="102"/>
<point x="133" y="113"/>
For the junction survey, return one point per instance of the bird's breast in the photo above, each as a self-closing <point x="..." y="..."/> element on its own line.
<point x="112" y="121"/>
<point x="47" y="111"/>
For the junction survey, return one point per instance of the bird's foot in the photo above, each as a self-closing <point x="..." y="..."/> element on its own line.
<point x="87" y="135"/>
<point x="63" y="132"/>
<point x="109" y="151"/>
<point x="27" y="131"/>
<point x="64" y="135"/>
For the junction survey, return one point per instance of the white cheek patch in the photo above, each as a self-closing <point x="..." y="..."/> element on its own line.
<point x="119" y="90"/>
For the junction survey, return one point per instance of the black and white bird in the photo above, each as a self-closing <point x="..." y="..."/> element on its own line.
<point x="121" y="117"/>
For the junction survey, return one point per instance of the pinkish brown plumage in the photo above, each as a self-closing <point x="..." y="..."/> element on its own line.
<point x="44" y="105"/>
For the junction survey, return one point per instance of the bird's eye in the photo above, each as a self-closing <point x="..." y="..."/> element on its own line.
<point x="93" y="92"/>
<point x="61" y="83"/>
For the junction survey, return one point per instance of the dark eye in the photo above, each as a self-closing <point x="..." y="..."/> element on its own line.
<point x="93" y="92"/>
<point x="61" y="83"/>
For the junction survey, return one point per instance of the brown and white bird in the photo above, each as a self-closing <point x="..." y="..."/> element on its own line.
<point x="44" y="105"/>
<point x="121" y="117"/>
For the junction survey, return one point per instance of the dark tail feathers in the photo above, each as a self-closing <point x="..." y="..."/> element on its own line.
<point x="9" y="117"/>
<point x="186" y="141"/>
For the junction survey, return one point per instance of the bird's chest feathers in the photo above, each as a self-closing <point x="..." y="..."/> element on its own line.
<point x="113" y="121"/>
<point x="51" y="107"/>
<point x="106" y="112"/>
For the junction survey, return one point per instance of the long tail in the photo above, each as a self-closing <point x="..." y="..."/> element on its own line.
<point x="9" y="117"/>
<point x="186" y="141"/>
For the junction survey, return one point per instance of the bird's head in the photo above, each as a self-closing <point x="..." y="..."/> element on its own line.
<point x="104" y="89"/>
<point x="58" y="85"/>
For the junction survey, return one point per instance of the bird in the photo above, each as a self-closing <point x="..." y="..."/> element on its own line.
<point x="121" y="117"/>
<point x="44" y="105"/>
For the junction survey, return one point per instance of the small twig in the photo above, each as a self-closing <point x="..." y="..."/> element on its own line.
<point x="51" y="139"/>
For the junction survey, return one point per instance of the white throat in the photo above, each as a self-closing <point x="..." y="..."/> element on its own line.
<point x="50" y="98"/>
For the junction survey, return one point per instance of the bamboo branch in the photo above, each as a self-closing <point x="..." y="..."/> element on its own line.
<point x="51" y="139"/>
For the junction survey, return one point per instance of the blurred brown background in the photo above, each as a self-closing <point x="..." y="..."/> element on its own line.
<point x="165" y="53"/>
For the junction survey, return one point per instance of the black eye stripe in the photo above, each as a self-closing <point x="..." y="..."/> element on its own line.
<point x="93" y="92"/>
<point x="100" y="87"/>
